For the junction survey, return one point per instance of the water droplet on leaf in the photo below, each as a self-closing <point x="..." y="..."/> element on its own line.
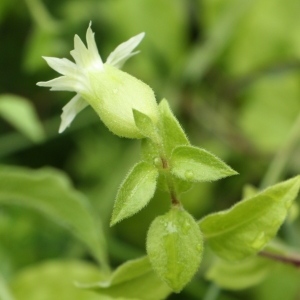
<point x="186" y="227"/>
<point x="115" y="91"/>
<point x="171" y="228"/>
<point x="189" y="175"/>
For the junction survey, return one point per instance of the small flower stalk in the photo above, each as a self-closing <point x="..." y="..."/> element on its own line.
<point x="112" y="93"/>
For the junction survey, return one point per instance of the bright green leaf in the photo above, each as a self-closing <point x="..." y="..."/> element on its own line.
<point x="134" y="279"/>
<point x="248" y="226"/>
<point x="20" y="113"/>
<point x="135" y="192"/>
<point x="195" y="164"/>
<point x="170" y="129"/>
<point x="50" y="192"/>
<point x="174" y="246"/>
<point x="145" y="125"/>
<point x="240" y="275"/>
<point x="54" y="280"/>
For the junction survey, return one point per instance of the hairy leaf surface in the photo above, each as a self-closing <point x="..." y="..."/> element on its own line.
<point x="174" y="247"/>
<point x="135" y="192"/>
<point x="249" y="226"/>
<point x="195" y="164"/>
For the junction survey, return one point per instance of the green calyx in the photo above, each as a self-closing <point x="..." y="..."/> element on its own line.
<point x="114" y="94"/>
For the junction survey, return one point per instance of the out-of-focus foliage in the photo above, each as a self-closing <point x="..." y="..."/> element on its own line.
<point x="229" y="69"/>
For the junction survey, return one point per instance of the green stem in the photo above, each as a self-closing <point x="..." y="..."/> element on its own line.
<point x="281" y="158"/>
<point x="166" y="168"/>
<point x="212" y="293"/>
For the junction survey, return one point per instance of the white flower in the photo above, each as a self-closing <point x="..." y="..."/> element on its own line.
<point x="112" y="93"/>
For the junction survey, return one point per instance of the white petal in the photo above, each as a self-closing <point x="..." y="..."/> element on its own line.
<point x="80" y="52"/>
<point x="62" y="66"/>
<point x="62" y="83"/>
<point x="87" y="57"/>
<point x="93" y="50"/>
<point x="124" y="51"/>
<point x="70" y="110"/>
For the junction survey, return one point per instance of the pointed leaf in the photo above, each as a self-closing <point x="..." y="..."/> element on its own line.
<point x="49" y="191"/>
<point x="134" y="279"/>
<point x="135" y="192"/>
<point x="248" y="226"/>
<point x="195" y="164"/>
<point x="170" y="129"/>
<point x="20" y="113"/>
<point x="174" y="246"/>
<point x="240" y="275"/>
<point x="145" y="125"/>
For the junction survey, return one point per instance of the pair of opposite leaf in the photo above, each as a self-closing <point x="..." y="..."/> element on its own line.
<point x="167" y="154"/>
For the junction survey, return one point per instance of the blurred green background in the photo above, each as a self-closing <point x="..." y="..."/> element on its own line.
<point x="230" y="71"/>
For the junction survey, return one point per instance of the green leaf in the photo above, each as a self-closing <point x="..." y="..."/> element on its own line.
<point x="174" y="246"/>
<point x="134" y="279"/>
<point x="145" y="125"/>
<point x="240" y="275"/>
<point x="50" y="192"/>
<point x="20" y="113"/>
<point x="248" y="226"/>
<point x="135" y="192"/>
<point x="54" y="280"/>
<point x="195" y="164"/>
<point x="170" y="129"/>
